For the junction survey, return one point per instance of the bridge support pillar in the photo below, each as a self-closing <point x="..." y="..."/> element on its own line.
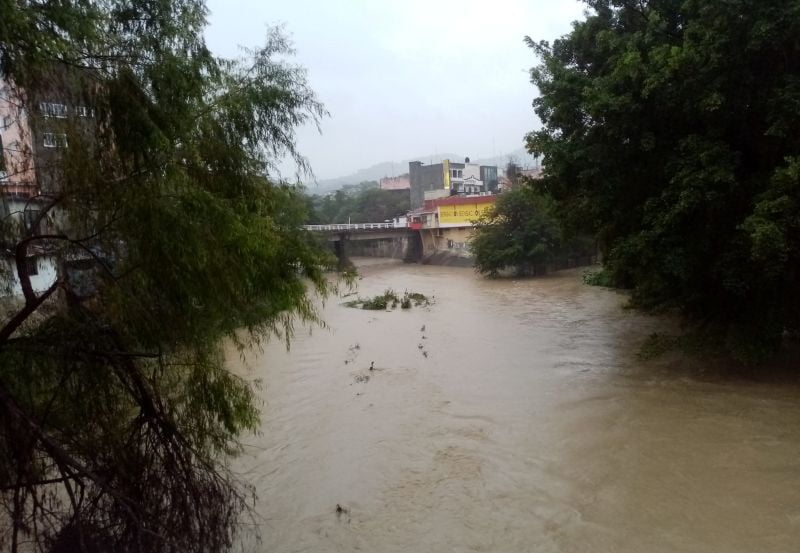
<point x="340" y="249"/>
<point x="414" y="247"/>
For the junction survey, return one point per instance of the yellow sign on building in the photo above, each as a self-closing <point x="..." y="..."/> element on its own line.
<point x="446" y="174"/>
<point x="463" y="214"/>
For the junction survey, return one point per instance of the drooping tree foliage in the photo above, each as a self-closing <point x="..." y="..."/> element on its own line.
<point x="169" y="235"/>
<point x="670" y="131"/>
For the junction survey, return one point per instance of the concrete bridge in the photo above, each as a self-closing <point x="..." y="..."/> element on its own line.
<point x="395" y="240"/>
<point x="411" y="242"/>
<point x="359" y="231"/>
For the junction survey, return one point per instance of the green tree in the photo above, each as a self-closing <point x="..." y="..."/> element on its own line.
<point x="519" y="233"/>
<point x="669" y="132"/>
<point x="327" y="207"/>
<point x="373" y="205"/>
<point x="363" y="204"/>
<point x="117" y="412"/>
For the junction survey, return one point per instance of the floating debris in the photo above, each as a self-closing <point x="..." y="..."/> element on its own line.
<point x="342" y="511"/>
<point x="390" y="300"/>
<point x="352" y="352"/>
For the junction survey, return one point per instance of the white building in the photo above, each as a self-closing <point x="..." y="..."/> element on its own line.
<point x="465" y="178"/>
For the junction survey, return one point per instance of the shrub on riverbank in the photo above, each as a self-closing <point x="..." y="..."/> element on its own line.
<point x="522" y="234"/>
<point x="598" y="278"/>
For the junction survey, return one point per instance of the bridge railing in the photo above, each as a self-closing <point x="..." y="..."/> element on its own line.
<point x="354" y="226"/>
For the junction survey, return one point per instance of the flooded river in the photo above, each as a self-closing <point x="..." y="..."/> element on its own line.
<point x="519" y="419"/>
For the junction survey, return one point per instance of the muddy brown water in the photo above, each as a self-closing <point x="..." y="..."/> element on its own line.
<point x="519" y="419"/>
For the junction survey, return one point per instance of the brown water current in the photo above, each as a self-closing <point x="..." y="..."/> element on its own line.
<point x="519" y="419"/>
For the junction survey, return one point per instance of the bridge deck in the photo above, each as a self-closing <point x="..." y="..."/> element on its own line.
<point x="355" y="226"/>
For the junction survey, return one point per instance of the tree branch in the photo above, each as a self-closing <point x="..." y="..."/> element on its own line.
<point x="57" y="453"/>
<point x="25" y="312"/>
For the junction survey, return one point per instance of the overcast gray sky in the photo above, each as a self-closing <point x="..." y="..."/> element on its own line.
<point x="405" y="78"/>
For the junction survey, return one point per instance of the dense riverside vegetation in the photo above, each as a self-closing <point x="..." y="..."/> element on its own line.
<point x="670" y="133"/>
<point x="519" y="233"/>
<point x="117" y="412"/>
<point x="363" y="203"/>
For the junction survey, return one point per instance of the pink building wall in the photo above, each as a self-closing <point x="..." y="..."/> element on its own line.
<point x="19" y="177"/>
<point x="403" y="182"/>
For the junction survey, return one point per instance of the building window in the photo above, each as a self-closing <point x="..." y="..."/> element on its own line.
<point x="32" y="266"/>
<point x="6" y="122"/>
<point x="458" y="173"/>
<point x="52" y="140"/>
<point x="83" y="111"/>
<point x="50" y="109"/>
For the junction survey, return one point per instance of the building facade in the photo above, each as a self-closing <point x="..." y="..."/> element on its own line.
<point x="454" y="178"/>
<point x="17" y="167"/>
<point x="403" y="182"/>
<point x="33" y="142"/>
<point x="446" y="224"/>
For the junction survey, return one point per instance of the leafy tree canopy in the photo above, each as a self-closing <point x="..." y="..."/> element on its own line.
<point x="362" y="204"/>
<point x="116" y="409"/>
<point x="520" y="233"/>
<point x="670" y="132"/>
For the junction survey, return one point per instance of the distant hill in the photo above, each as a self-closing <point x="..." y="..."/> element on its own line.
<point x="389" y="168"/>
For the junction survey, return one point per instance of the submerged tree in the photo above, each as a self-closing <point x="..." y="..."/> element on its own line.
<point x="169" y="235"/>
<point x="670" y="133"/>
